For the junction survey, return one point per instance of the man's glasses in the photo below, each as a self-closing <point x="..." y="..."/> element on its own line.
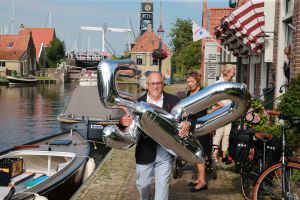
<point x="153" y="84"/>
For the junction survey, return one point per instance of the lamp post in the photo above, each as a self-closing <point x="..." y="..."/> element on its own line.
<point x="160" y="32"/>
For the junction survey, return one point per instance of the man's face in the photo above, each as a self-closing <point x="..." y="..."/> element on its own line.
<point x="155" y="85"/>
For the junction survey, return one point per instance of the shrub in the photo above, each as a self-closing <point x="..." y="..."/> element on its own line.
<point x="289" y="105"/>
<point x="290" y="101"/>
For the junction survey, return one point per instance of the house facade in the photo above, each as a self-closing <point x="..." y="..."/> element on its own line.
<point x="17" y="55"/>
<point x="42" y="37"/>
<point x="212" y="56"/>
<point x="142" y="51"/>
<point x="263" y="36"/>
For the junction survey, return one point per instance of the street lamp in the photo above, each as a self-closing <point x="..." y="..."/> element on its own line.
<point x="160" y="32"/>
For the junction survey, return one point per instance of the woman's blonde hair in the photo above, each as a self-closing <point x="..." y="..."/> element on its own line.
<point x="226" y="68"/>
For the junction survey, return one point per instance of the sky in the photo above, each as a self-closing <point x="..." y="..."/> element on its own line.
<point x="68" y="15"/>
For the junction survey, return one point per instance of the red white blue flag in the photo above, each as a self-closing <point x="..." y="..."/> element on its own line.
<point x="199" y="32"/>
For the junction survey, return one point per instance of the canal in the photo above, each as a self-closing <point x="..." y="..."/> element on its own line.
<point x="28" y="113"/>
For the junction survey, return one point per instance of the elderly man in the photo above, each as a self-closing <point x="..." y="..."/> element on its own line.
<point x="152" y="158"/>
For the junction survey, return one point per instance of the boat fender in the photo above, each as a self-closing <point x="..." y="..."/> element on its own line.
<point x="89" y="169"/>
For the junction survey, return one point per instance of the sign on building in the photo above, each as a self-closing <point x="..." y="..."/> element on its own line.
<point x="212" y="63"/>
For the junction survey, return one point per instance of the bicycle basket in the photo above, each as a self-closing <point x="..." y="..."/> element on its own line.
<point x="239" y="144"/>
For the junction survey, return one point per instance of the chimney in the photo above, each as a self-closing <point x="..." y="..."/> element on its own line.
<point x="22" y="26"/>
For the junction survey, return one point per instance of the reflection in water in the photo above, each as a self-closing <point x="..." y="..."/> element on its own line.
<point x="28" y="113"/>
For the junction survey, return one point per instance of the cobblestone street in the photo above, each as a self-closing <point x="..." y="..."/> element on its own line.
<point x="115" y="179"/>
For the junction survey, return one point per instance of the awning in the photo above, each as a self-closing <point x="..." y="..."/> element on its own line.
<point x="241" y="31"/>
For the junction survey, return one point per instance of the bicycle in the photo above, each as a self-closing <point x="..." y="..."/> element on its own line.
<point x="280" y="180"/>
<point x="210" y="166"/>
<point x="260" y="148"/>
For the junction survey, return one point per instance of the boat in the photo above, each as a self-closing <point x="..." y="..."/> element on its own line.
<point x="21" y="80"/>
<point x="53" y="167"/>
<point x="88" y="77"/>
<point x="86" y="114"/>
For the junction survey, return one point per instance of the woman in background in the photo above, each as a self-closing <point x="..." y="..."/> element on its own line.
<point x="193" y="84"/>
<point x="222" y="134"/>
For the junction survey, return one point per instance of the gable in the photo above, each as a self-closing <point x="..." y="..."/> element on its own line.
<point x="147" y="43"/>
<point x="12" y="47"/>
<point x="41" y="37"/>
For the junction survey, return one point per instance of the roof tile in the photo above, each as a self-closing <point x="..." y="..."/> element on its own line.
<point x="40" y="36"/>
<point x="12" y="47"/>
<point x="147" y="43"/>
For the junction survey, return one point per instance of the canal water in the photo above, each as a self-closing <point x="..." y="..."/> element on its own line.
<point x="28" y="113"/>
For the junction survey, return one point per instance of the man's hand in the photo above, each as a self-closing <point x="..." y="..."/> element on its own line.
<point x="125" y="120"/>
<point x="184" y="129"/>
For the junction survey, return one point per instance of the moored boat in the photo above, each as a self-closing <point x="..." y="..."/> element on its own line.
<point x="53" y="167"/>
<point x="86" y="114"/>
<point x="88" y="77"/>
<point x="21" y="80"/>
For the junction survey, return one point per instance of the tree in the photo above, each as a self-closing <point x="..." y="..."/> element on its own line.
<point x="186" y="53"/>
<point x="181" y="35"/>
<point x="56" y="52"/>
<point x="189" y="57"/>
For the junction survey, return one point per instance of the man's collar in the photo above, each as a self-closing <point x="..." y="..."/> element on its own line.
<point x="160" y="99"/>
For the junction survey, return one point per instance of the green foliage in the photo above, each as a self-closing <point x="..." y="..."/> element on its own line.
<point x="122" y="57"/>
<point x="270" y="124"/>
<point x="290" y="102"/>
<point x="181" y="35"/>
<point x="289" y="105"/>
<point x="189" y="57"/>
<point x="186" y="53"/>
<point x="56" y="52"/>
<point x="261" y="121"/>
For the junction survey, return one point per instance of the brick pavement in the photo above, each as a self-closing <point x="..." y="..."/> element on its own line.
<point x="114" y="179"/>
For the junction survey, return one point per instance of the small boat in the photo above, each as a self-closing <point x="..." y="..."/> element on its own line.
<point x="88" y="77"/>
<point x="53" y="167"/>
<point x="86" y="114"/>
<point x="21" y="80"/>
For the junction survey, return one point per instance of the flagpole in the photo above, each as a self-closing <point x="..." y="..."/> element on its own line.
<point x="219" y="44"/>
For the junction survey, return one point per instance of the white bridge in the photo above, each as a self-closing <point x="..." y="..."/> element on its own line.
<point x="105" y="29"/>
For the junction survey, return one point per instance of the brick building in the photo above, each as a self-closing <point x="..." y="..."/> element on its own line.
<point x="17" y="55"/>
<point x="141" y="53"/>
<point x="212" y="55"/>
<point x="42" y="37"/>
<point x="267" y="57"/>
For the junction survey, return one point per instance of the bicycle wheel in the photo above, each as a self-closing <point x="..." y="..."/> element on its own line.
<point x="249" y="174"/>
<point x="269" y="183"/>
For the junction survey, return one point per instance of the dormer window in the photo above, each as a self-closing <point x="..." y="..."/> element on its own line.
<point x="139" y="59"/>
<point x="10" y="44"/>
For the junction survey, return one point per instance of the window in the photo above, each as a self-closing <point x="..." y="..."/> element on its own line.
<point x="139" y="59"/>
<point x="289" y="5"/>
<point x="289" y="32"/>
<point x="154" y="61"/>
<point x="10" y="44"/>
<point x="2" y="64"/>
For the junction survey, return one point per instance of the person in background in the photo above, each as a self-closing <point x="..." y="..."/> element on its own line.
<point x="193" y="84"/>
<point x="151" y="158"/>
<point x="222" y="134"/>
